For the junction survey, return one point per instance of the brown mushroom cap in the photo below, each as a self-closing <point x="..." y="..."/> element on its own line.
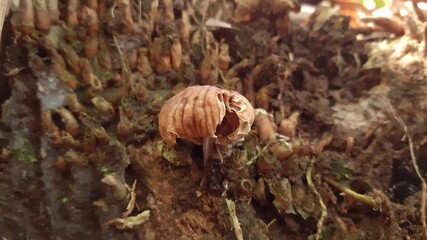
<point x="198" y="112"/>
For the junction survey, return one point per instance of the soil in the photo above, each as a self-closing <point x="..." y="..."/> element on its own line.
<point x="337" y="149"/>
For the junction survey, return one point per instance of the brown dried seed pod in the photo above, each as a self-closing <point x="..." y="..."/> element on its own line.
<point x="57" y="137"/>
<point x="317" y="148"/>
<point x="117" y="186"/>
<point x="200" y="112"/>
<point x="262" y="98"/>
<point x="72" y="59"/>
<point x="288" y="126"/>
<point x="95" y="128"/>
<point x="92" y="21"/>
<point x="89" y="142"/>
<point x="95" y="86"/>
<point x="144" y="66"/>
<point x="176" y="54"/>
<point x="168" y="15"/>
<point x="265" y="126"/>
<point x="52" y="6"/>
<point x="349" y="146"/>
<point x="105" y="61"/>
<point x="185" y="28"/>
<point x="63" y="139"/>
<point x="47" y="45"/>
<point x="281" y="151"/>
<point x="104" y="107"/>
<point x="47" y="122"/>
<point x="91" y="46"/>
<point x="209" y="69"/>
<point x="42" y="15"/>
<point x="125" y="10"/>
<point x="72" y="10"/>
<point x="75" y="158"/>
<point x="138" y="87"/>
<point x="24" y="22"/>
<point x="132" y="58"/>
<point x="93" y="4"/>
<point x="64" y="75"/>
<point x="86" y="71"/>
<point x="125" y="126"/>
<point x="160" y="56"/>
<point x="73" y="103"/>
<point x="70" y="122"/>
<point x="224" y="57"/>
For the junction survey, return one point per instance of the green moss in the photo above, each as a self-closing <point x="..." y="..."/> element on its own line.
<point x="125" y="102"/>
<point x="341" y="171"/>
<point x="178" y="156"/>
<point x="65" y="200"/>
<point x="104" y="169"/>
<point x="25" y="153"/>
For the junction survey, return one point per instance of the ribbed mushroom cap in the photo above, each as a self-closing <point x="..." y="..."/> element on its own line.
<point x="198" y="112"/>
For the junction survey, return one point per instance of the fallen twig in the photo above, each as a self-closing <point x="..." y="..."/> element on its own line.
<point x="130" y="222"/>
<point x="234" y="220"/>
<point x="132" y="199"/>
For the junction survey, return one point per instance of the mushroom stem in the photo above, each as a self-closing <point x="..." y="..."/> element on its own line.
<point x="208" y="144"/>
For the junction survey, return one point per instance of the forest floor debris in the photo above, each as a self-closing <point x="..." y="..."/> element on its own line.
<point x="82" y="84"/>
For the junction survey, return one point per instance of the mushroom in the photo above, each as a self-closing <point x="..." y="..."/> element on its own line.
<point x="206" y="115"/>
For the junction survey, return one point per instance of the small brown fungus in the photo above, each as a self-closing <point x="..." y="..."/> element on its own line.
<point x="200" y="112"/>
<point x="206" y="115"/>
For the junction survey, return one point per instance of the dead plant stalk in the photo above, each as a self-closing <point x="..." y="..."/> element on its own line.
<point x="125" y="68"/>
<point x="324" y="212"/>
<point x="234" y="220"/>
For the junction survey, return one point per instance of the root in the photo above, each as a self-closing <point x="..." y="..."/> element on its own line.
<point x="414" y="162"/>
<point x="324" y="212"/>
<point x="354" y="195"/>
